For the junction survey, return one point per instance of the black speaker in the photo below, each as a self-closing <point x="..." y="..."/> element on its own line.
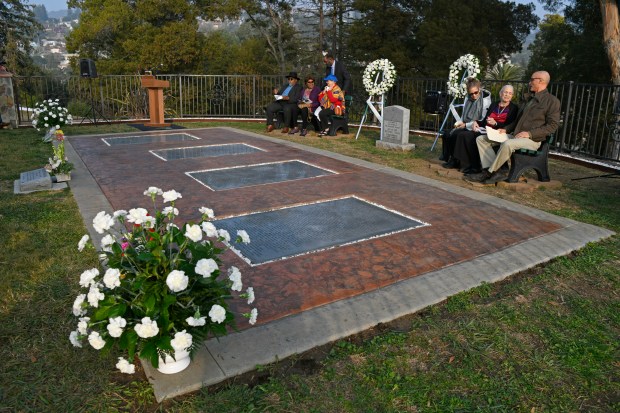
<point x="435" y="102"/>
<point x="88" y="68"/>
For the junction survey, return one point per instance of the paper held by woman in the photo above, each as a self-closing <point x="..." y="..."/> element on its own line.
<point x="495" y="135"/>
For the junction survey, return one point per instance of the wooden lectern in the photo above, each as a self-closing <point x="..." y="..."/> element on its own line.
<point x="156" y="100"/>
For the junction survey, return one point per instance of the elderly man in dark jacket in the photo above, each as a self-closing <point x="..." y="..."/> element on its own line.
<point x="287" y="98"/>
<point x="537" y="118"/>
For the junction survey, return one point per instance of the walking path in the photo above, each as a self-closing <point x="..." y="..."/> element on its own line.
<point x="446" y="239"/>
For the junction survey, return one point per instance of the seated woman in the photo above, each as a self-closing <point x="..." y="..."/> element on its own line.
<point x="332" y="103"/>
<point x="500" y="113"/>
<point x="308" y="104"/>
<point x="474" y="109"/>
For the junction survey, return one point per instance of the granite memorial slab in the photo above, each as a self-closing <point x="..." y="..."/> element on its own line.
<point x="395" y="129"/>
<point x="138" y="140"/>
<point x="35" y="180"/>
<point x="206" y="151"/>
<point x="293" y="231"/>
<point x="260" y="174"/>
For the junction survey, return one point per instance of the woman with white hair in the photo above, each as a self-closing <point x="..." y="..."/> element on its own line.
<point x="500" y="114"/>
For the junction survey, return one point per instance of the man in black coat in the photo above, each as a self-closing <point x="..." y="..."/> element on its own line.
<point x="287" y="98"/>
<point x="336" y="68"/>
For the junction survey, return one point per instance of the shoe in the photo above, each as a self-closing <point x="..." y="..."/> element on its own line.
<point x="471" y="171"/>
<point x="441" y="158"/>
<point x="479" y="177"/>
<point x="269" y="128"/>
<point x="303" y="132"/>
<point x="293" y="131"/>
<point x="495" y="177"/>
<point x="450" y="164"/>
<point x="323" y="133"/>
<point x="284" y="130"/>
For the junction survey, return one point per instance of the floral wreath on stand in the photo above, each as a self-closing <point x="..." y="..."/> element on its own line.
<point x="467" y="62"/>
<point x="370" y="74"/>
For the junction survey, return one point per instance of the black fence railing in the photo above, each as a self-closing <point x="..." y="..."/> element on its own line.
<point x="589" y="125"/>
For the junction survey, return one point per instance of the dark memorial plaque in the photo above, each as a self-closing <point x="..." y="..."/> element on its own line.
<point x="289" y="232"/>
<point x="205" y="151"/>
<point x="138" y="140"/>
<point x="268" y="173"/>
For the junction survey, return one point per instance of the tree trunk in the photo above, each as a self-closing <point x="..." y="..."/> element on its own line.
<point x="611" y="37"/>
<point x="321" y="26"/>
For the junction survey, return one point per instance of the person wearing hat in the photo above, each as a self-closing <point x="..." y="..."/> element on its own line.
<point x="286" y="101"/>
<point x="332" y="103"/>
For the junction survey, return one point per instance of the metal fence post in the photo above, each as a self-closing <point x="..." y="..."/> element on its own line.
<point x="180" y="96"/>
<point x="253" y="96"/>
<point x="566" y="115"/>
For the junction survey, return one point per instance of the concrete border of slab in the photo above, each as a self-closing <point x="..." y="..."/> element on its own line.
<point x="238" y="353"/>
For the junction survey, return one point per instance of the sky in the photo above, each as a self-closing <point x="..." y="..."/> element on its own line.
<point x="54" y="5"/>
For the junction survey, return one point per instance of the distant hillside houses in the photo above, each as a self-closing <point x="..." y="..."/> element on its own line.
<point x="49" y="49"/>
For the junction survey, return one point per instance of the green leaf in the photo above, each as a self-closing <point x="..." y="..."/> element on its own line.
<point x="149" y="303"/>
<point x="149" y="352"/>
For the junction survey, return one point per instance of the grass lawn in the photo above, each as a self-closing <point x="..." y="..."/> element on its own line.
<point x="542" y="341"/>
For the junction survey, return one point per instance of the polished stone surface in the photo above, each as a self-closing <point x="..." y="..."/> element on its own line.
<point x="138" y="140"/>
<point x="288" y="232"/>
<point x="204" y="151"/>
<point x="269" y="173"/>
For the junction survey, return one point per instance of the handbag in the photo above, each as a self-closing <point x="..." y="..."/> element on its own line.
<point x="338" y="111"/>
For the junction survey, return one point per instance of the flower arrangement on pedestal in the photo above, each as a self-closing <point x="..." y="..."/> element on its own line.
<point x="163" y="291"/>
<point x="59" y="164"/>
<point x="50" y="115"/>
<point x="467" y="62"/>
<point x="387" y="77"/>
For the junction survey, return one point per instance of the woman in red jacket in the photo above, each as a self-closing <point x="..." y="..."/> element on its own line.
<point x="332" y="103"/>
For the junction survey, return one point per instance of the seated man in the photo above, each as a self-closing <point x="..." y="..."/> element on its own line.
<point x="536" y="119"/>
<point x="286" y="101"/>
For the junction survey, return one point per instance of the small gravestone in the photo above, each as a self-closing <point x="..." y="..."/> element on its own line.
<point x="36" y="180"/>
<point x="395" y="129"/>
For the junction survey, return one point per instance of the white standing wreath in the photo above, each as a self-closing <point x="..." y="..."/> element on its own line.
<point x="467" y="62"/>
<point x="370" y="74"/>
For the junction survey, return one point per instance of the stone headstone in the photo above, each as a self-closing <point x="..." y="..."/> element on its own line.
<point x="36" y="180"/>
<point x="396" y="129"/>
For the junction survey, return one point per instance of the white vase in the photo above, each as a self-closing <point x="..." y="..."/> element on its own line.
<point x="63" y="177"/>
<point x="171" y="366"/>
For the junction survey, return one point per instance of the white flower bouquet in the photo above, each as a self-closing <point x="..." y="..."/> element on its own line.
<point x="469" y="63"/>
<point x="49" y="114"/>
<point x="387" y="76"/>
<point x="163" y="290"/>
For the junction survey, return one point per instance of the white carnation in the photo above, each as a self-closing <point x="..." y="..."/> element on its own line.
<point x="193" y="232"/>
<point x="177" y="281"/>
<point x="181" y="341"/>
<point x="95" y="340"/>
<point x="147" y="328"/>
<point x="112" y="278"/>
<point x="206" y="266"/>
<point x="125" y="367"/>
<point x="102" y="222"/>
<point x="217" y="314"/>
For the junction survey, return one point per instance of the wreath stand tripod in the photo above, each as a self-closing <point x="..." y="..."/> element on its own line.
<point x="93" y="111"/>
<point x="452" y="111"/>
<point x="371" y="104"/>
